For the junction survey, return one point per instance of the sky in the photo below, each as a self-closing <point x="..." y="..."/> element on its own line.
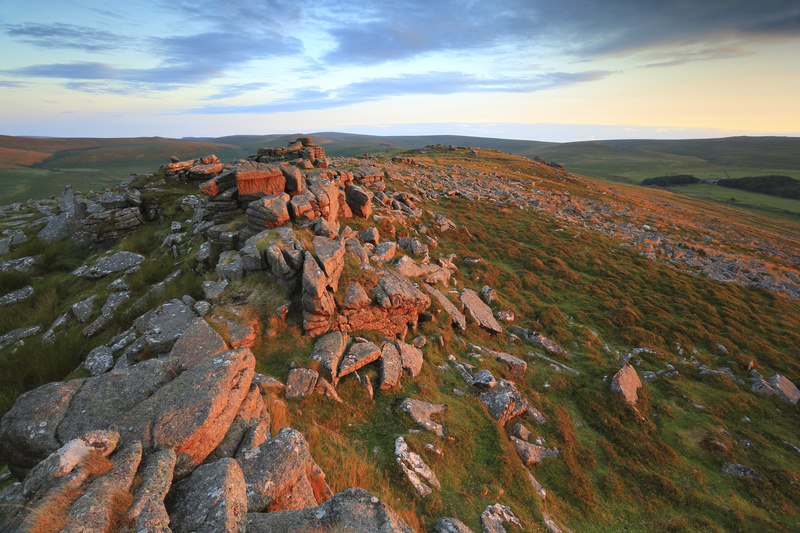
<point x="549" y="70"/>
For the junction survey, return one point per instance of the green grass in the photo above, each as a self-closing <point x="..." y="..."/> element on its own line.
<point x="778" y="207"/>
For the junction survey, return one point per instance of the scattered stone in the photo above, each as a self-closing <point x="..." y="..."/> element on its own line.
<point x="83" y="309"/>
<point x="116" y="263"/>
<point x="413" y="466"/>
<point x="483" y="379"/>
<point x="359" y="355"/>
<point x="479" y="311"/>
<point x="167" y="324"/>
<point x="540" y="490"/>
<point x="328" y="350"/>
<point x="15" y="297"/>
<point x="411" y="357"/>
<point x="301" y="382"/>
<point x="504" y="402"/>
<point x="422" y="413"/>
<point x="391" y="367"/>
<point x="489" y="295"/>
<point x="15" y="336"/>
<point x="457" y="317"/>
<point x="211" y="499"/>
<point x="450" y="525"/>
<point x="353" y="510"/>
<point x="493" y="516"/>
<point x="739" y="470"/>
<point x="99" y="360"/>
<point x="196" y="344"/>
<point x="531" y="453"/>
<point x="784" y="388"/>
<point x="626" y="382"/>
<point x="521" y="432"/>
<point x="280" y="475"/>
<point x="212" y="289"/>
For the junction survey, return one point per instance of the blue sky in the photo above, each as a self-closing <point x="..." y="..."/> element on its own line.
<point x="544" y="70"/>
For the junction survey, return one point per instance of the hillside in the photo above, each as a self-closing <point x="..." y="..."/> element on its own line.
<point x="474" y="339"/>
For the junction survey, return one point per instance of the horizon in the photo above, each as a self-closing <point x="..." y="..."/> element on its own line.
<point x="527" y="70"/>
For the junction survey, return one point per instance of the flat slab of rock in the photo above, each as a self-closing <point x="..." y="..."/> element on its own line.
<point x="108" y="265"/>
<point x="359" y="355"/>
<point x="517" y="365"/>
<point x="531" y="453"/>
<point x="211" y="499"/>
<point x="784" y="388"/>
<point x="281" y="475"/>
<point x="391" y="367"/>
<point x="626" y="382"/>
<point x="192" y="413"/>
<point x="479" y="311"/>
<point x="147" y="512"/>
<point x="739" y="470"/>
<point x="421" y="412"/>
<point x="458" y="318"/>
<point x="353" y="510"/>
<point x="411" y="357"/>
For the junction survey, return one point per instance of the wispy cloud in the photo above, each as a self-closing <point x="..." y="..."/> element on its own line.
<point x="11" y="84"/>
<point x="436" y="83"/>
<point x="63" y="36"/>
<point x="232" y="91"/>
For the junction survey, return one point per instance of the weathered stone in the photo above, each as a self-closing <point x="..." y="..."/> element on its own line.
<point x="56" y="229"/>
<point x="521" y="432"/>
<point x="230" y="266"/>
<point x="353" y="510"/>
<point x="212" y="289"/>
<point x="626" y="382"/>
<point x="739" y="470"/>
<point x="28" y="429"/>
<point x="192" y="413"/>
<point x="385" y="251"/>
<point x="116" y="263"/>
<point x="493" y="516"/>
<point x="411" y="357"/>
<point x="391" y="367"/>
<point x="324" y="388"/>
<point x="360" y="354"/>
<point x="18" y="296"/>
<point x="328" y="350"/>
<point x="280" y="474"/>
<point x="166" y="325"/>
<point x="99" y="360"/>
<point x="103" y="400"/>
<point x="259" y="178"/>
<point x="268" y="212"/>
<point x="196" y="344"/>
<point x="479" y="311"/>
<point x="369" y="235"/>
<point x="536" y="339"/>
<point x="504" y="402"/>
<point x="457" y="317"/>
<point x="531" y="453"/>
<point x="413" y="466"/>
<point x="422" y="413"/>
<point x="147" y="511"/>
<point x="489" y="295"/>
<point x="211" y="499"/>
<point x="330" y="255"/>
<point x="360" y="201"/>
<point x="83" y="309"/>
<point x="91" y="511"/>
<point x="784" y="388"/>
<point x="18" y="335"/>
<point x="27" y="265"/>
<point x="540" y="490"/>
<point x="483" y="379"/>
<point x="301" y="382"/>
<point x="517" y="365"/>
<point x="450" y="525"/>
<point x="355" y="297"/>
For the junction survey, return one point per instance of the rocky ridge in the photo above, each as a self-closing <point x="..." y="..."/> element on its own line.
<point x="180" y="405"/>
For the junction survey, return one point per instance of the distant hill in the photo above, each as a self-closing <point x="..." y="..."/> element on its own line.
<point x="42" y="166"/>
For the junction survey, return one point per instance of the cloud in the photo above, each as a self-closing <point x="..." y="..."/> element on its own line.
<point x="236" y="90"/>
<point x="117" y="80"/>
<point x="436" y="83"/>
<point x="11" y="84"/>
<point x="60" y="36"/>
<point x="224" y="49"/>
<point x="366" y="32"/>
